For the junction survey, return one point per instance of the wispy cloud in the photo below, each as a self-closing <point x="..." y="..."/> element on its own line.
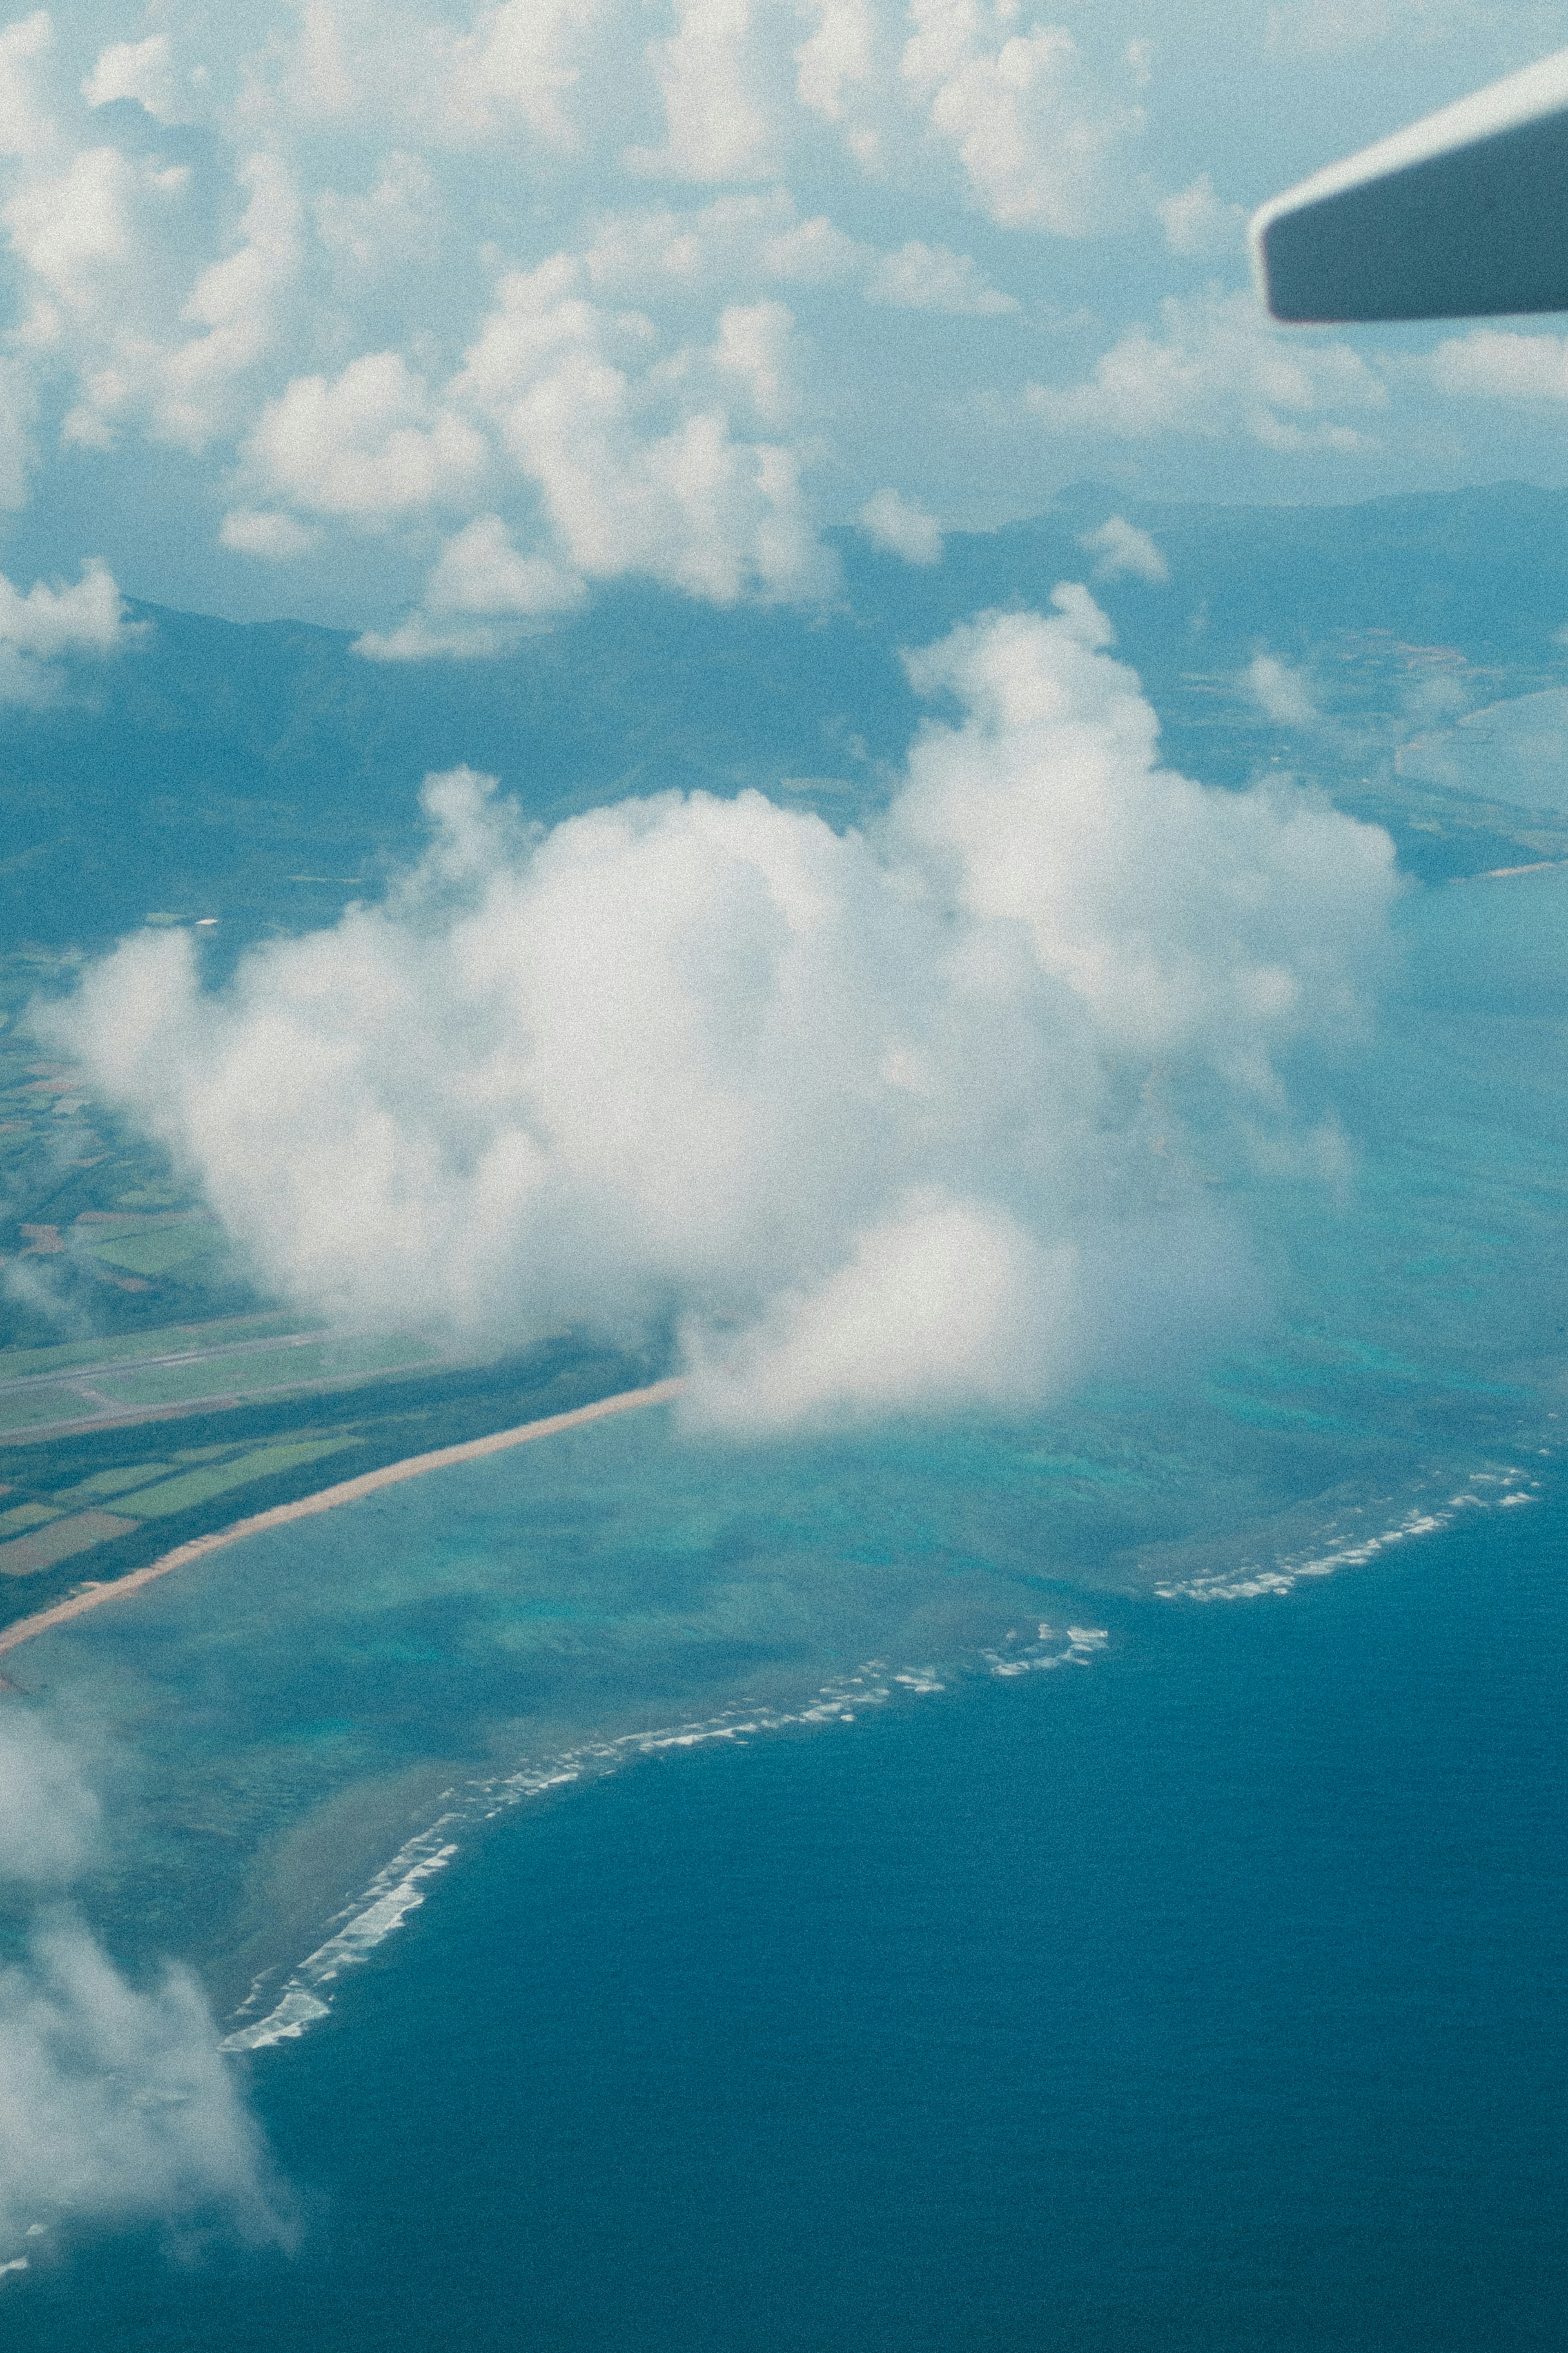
<point x="115" y="2105"/>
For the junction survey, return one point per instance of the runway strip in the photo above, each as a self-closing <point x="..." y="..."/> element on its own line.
<point x="348" y="1492"/>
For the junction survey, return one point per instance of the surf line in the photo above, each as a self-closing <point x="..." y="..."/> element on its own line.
<point x="327" y="1499"/>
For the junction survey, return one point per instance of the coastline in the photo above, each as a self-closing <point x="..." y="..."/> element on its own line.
<point x="327" y="1499"/>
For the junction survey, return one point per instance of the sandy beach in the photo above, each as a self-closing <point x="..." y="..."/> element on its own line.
<point x="348" y="1490"/>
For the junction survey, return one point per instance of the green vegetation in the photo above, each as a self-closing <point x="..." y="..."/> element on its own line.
<point x="26" y="1515"/>
<point x="63" y="1540"/>
<point x="194" y="1487"/>
<point x="158" y="1254"/>
<point x="245" y="1458"/>
<point x="115" y="1482"/>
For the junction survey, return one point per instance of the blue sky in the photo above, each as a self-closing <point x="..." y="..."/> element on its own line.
<point x="427" y="318"/>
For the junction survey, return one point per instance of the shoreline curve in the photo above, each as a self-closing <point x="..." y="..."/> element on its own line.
<point x="327" y="1499"/>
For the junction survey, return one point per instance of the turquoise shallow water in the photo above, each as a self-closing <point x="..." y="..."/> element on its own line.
<point x="1084" y="1881"/>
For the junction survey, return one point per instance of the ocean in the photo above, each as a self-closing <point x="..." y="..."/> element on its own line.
<point x="1208" y="1995"/>
<point x="1091" y="1880"/>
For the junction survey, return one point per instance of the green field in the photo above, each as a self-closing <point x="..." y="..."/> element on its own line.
<point x="192" y="1487"/>
<point x="162" y="1250"/>
<point x="63" y="1540"/>
<point x="114" y="1483"/>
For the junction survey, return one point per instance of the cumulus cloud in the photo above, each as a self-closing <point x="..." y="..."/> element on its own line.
<point x="1121" y="549"/>
<point x="761" y="236"/>
<point x="1195" y="221"/>
<point x="1495" y="364"/>
<point x="27" y="54"/>
<point x="928" y="277"/>
<point x="859" y="1115"/>
<point x="901" y="527"/>
<point x="480" y="580"/>
<point x="480" y="571"/>
<point x="395" y="223"/>
<point x="837" y="58"/>
<point x="1280" y="692"/>
<point x="43" y="630"/>
<point x="286" y="242"/>
<point x="1219" y="371"/>
<point x="717" y="116"/>
<point x="115" y="2105"/>
<point x="643" y="461"/>
<point x="371" y="444"/>
<point x="1043" y="143"/>
<point x="141" y="70"/>
<point x="1177" y="915"/>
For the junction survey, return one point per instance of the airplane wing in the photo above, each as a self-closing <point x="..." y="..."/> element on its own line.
<point x="1463" y="215"/>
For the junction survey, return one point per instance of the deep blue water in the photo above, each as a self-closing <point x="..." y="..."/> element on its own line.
<point x="1211" y="1997"/>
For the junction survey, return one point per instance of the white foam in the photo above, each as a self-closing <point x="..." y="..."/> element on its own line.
<point x="386" y="1903"/>
<point x="1253" y="1582"/>
<point x="1081" y="1644"/>
<point x="398" y="1889"/>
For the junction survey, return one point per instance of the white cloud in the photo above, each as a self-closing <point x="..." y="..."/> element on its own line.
<point x="372" y="445"/>
<point x="754" y="352"/>
<point x="396" y="223"/>
<point x="405" y="72"/>
<point x="940" y="1303"/>
<point x="896" y="523"/>
<point x="634" y="455"/>
<point x="142" y="70"/>
<point x="1196" y="222"/>
<point x="307" y="191"/>
<point x="18" y="452"/>
<point x="717" y="117"/>
<point x="928" y="277"/>
<point x="815" y="253"/>
<point x="274" y="538"/>
<point x="49" y="1819"/>
<point x="1280" y="692"/>
<point x="98" y="239"/>
<point x="1043" y="144"/>
<point x="1122" y="549"/>
<point x="26" y="50"/>
<point x="115" y="2105"/>
<point x="1187" y="920"/>
<point x="78" y="230"/>
<point x="832" y="1102"/>
<point x="1219" y="371"/>
<point x="1496" y="363"/>
<point x="836" y="57"/>
<point x="46" y="627"/>
<point x="522" y="59"/>
<point x="656" y="252"/>
<point x="480" y="571"/>
<point x="480" y="578"/>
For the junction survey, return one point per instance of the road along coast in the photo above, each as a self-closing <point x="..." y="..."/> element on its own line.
<point x="348" y="1490"/>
